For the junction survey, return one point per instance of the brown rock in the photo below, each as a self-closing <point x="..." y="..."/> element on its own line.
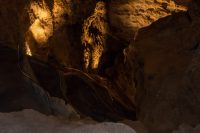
<point x="169" y="50"/>
<point x="128" y="16"/>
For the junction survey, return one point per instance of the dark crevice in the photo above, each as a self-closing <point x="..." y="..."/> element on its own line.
<point x="92" y="100"/>
<point x="195" y="47"/>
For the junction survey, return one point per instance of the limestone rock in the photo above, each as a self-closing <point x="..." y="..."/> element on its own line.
<point x="95" y="32"/>
<point x="53" y="29"/>
<point x="128" y="16"/>
<point x="159" y="72"/>
<point x="168" y="51"/>
<point x="44" y="28"/>
<point x="125" y="19"/>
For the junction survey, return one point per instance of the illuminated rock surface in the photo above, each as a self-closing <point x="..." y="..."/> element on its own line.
<point x="128" y="16"/>
<point x="116" y="57"/>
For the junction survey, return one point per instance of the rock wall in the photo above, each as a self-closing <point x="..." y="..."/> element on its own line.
<point x="158" y="72"/>
<point x="128" y="16"/>
<point x="168" y="51"/>
<point x="52" y="30"/>
<point x="125" y="19"/>
<point x="48" y="30"/>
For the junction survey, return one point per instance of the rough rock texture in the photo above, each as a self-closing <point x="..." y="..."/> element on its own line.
<point x="161" y="66"/>
<point x="29" y="121"/>
<point x="47" y="29"/>
<point x="63" y="21"/>
<point x="128" y="16"/>
<point x="95" y="30"/>
<point x="168" y="52"/>
<point x="125" y="18"/>
<point x="91" y="38"/>
<point x="184" y="128"/>
<point x="53" y="29"/>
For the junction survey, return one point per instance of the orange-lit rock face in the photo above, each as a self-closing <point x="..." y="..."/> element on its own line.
<point x="42" y="27"/>
<point x="41" y="23"/>
<point x="47" y="26"/>
<point x="128" y="17"/>
<point x="94" y="37"/>
<point x="50" y="33"/>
